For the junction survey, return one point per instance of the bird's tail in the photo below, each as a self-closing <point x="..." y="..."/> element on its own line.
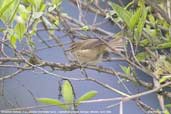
<point x="116" y="45"/>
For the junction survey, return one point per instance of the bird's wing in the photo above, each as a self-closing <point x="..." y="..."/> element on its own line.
<point x="84" y="44"/>
<point x="91" y="43"/>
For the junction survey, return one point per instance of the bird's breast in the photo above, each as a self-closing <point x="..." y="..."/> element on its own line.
<point x="87" y="56"/>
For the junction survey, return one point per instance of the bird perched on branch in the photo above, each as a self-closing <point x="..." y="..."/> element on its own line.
<point x="91" y="51"/>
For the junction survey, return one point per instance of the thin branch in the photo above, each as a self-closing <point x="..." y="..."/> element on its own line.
<point x="146" y="92"/>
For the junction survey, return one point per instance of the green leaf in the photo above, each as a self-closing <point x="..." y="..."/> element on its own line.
<point x="42" y="7"/>
<point x="141" y="23"/>
<point x="67" y="92"/>
<point x="144" y="42"/>
<point x="20" y="29"/>
<point x="135" y="18"/>
<point x="166" y="111"/>
<point x="32" y="2"/>
<point x="51" y="101"/>
<point x="85" y="28"/>
<point x="126" y="70"/>
<point x="1" y="3"/>
<point x="87" y="96"/>
<point x="24" y="12"/>
<point x="13" y="41"/>
<point x="129" y="4"/>
<point x="152" y="32"/>
<point x="163" y="79"/>
<point x="151" y="18"/>
<point x="142" y="56"/>
<point x="164" y="45"/>
<point x="57" y="21"/>
<point x="4" y="8"/>
<point x="38" y="5"/>
<point x="168" y="105"/>
<point x="9" y="10"/>
<point x="15" y="8"/>
<point x="122" y="13"/>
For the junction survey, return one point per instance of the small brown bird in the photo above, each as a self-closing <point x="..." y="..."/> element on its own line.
<point x="91" y="51"/>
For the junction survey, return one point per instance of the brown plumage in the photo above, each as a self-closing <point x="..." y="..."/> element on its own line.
<point x="90" y="51"/>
